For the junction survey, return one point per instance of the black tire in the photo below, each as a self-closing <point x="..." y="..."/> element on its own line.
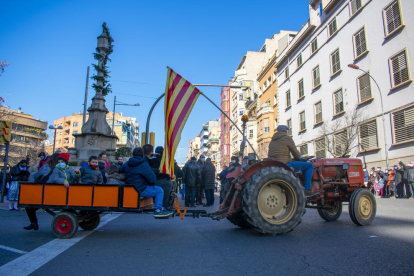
<point x="331" y="215"/>
<point x="278" y="188"/>
<point x="239" y="220"/>
<point x="90" y="223"/>
<point x="362" y="207"/>
<point x="65" y="225"/>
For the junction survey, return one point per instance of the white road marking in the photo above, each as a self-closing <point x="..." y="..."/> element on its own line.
<point x="33" y="260"/>
<point x="14" y="250"/>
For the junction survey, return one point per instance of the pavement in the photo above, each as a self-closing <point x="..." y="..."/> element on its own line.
<point x="132" y="244"/>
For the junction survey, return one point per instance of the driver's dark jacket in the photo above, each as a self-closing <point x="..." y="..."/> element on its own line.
<point x="282" y="146"/>
<point x="191" y="174"/>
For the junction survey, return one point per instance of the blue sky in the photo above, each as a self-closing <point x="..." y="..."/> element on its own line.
<point x="49" y="45"/>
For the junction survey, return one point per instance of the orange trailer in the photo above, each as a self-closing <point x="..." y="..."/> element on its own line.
<point x="80" y="204"/>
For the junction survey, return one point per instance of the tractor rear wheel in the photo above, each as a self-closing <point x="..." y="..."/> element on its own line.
<point x="362" y="207"/>
<point x="239" y="220"/>
<point x="273" y="201"/>
<point x="331" y="214"/>
<point x="90" y="223"/>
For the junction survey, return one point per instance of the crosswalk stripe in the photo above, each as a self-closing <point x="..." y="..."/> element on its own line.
<point x="14" y="250"/>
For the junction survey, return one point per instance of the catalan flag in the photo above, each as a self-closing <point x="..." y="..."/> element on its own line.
<point x="180" y="97"/>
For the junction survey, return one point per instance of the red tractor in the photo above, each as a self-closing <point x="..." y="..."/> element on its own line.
<point x="269" y="196"/>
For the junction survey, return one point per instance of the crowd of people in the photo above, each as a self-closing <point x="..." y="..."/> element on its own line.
<point x="395" y="182"/>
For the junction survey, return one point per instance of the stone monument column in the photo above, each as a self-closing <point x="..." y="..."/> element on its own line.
<point x="96" y="133"/>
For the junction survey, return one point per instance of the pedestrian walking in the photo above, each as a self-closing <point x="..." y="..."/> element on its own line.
<point x="399" y="181"/>
<point x="18" y="173"/>
<point x="200" y="187"/>
<point x="208" y="176"/>
<point x="408" y="178"/>
<point x="7" y="182"/>
<point x="191" y="177"/>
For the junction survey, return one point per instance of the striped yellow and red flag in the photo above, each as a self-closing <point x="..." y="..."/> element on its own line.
<point x="180" y="97"/>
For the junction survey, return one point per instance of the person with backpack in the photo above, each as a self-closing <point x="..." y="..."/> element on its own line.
<point x="41" y="176"/>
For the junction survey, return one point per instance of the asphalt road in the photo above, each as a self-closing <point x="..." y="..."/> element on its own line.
<point x="136" y="244"/>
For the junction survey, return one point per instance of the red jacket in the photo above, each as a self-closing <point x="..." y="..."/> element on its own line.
<point x="42" y="162"/>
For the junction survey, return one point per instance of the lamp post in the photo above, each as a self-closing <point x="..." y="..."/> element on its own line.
<point x="54" y="140"/>
<point x="356" y="67"/>
<point x="113" y="115"/>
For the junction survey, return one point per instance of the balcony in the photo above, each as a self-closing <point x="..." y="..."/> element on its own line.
<point x="264" y="110"/>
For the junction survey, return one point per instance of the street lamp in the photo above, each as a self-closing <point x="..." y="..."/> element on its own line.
<point x="113" y="115"/>
<point x="356" y="67"/>
<point x="54" y="140"/>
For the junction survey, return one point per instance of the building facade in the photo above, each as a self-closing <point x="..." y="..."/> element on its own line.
<point x="317" y="90"/>
<point x="225" y="127"/>
<point x="213" y="144"/>
<point x="125" y="128"/>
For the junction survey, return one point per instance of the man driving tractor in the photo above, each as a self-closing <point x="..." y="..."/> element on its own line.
<point x="280" y="148"/>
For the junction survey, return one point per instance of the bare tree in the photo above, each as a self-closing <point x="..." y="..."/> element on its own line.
<point x="341" y="133"/>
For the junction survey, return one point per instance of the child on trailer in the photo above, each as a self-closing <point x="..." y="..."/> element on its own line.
<point x="62" y="173"/>
<point x="90" y="173"/>
<point x="114" y="177"/>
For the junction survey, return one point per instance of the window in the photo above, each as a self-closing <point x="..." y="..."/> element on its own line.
<point x="399" y="69"/>
<point x="403" y="122"/>
<point x="241" y="112"/>
<point x="303" y="149"/>
<point x="75" y="124"/>
<point x="341" y="143"/>
<point x="302" y="121"/>
<point x="332" y="27"/>
<point x="339" y="102"/>
<point x="269" y="80"/>
<point x="368" y="135"/>
<point x="335" y="62"/>
<point x="275" y="99"/>
<point x="320" y="148"/>
<point x="251" y="133"/>
<point x="288" y="99"/>
<point x="318" y="112"/>
<point x="287" y="72"/>
<point x="301" y="89"/>
<point x="316" y="77"/>
<point x="299" y="60"/>
<point x="266" y="125"/>
<point x="241" y="96"/>
<point x="314" y="45"/>
<point x="260" y="128"/>
<point x="360" y="43"/>
<point x="355" y="6"/>
<point x="289" y="125"/>
<point x="392" y="17"/>
<point x="364" y="87"/>
<point x="75" y="132"/>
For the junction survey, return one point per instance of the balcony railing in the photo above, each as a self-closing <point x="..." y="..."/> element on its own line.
<point x="213" y="140"/>
<point x="264" y="109"/>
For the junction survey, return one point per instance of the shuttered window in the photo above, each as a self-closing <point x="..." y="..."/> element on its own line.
<point x="399" y="68"/>
<point x="368" y="135"/>
<point x="301" y="89"/>
<point x="289" y="125"/>
<point x="314" y="45"/>
<point x="287" y="72"/>
<point x="392" y="16"/>
<point x="302" y="120"/>
<point x="335" y="62"/>
<point x="318" y="112"/>
<point x="316" y="76"/>
<point x="332" y="27"/>
<point x="320" y="148"/>
<point x="287" y="98"/>
<point x="360" y="42"/>
<point x="341" y="141"/>
<point x="303" y="149"/>
<point x="339" y="101"/>
<point x="364" y="87"/>
<point x="266" y="125"/>
<point x="299" y="60"/>
<point x="403" y="125"/>
<point x="355" y="6"/>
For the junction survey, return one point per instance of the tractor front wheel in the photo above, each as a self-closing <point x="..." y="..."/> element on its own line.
<point x="362" y="207"/>
<point x="331" y="214"/>
<point x="273" y="201"/>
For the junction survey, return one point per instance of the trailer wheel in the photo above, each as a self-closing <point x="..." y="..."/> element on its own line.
<point x="239" y="220"/>
<point x="333" y="214"/>
<point x="91" y="223"/>
<point x="362" y="207"/>
<point x="64" y="225"/>
<point x="274" y="201"/>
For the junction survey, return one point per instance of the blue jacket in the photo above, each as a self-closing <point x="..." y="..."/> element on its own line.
<point x="138" y="173"/>
<point x="90" y="176"/>
<point x="59" y="176"/>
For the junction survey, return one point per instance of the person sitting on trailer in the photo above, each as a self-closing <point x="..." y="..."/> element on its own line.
<point x="114" y="177"/>
<point x="91" y="174"/>
<point x="139" y="174"/>
<point x="280" y="148"/>
<point x="62" y="173"/>
<point x="43" y="159"/>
